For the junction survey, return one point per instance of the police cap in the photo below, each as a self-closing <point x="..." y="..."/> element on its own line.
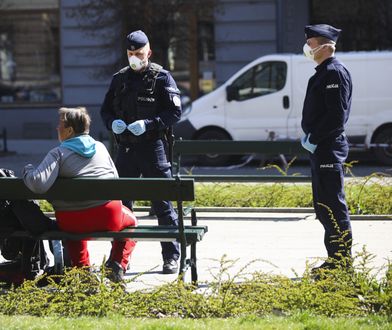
<point x="322" y="30"/>
<point x="136" y="39"/>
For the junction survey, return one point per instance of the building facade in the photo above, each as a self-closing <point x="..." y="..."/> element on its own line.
<point x="48" y="61"/>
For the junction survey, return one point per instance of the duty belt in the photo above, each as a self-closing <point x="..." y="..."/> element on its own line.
<point x="149" y="136"/>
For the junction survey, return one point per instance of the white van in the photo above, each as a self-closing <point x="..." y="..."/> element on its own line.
<point x="263" y="101"/>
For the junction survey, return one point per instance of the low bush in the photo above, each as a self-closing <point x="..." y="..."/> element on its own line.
<point x="337" y="293"/>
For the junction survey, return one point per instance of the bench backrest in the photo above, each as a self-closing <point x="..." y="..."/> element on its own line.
<point x="173" y="189"/>
<point x="249" y="178"/>
<point x="228" y="147"/>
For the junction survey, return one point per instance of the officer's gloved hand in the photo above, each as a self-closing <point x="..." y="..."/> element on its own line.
<point x="118" y="126"/>
<point x="307" y="145"/>
<point x="138" y="127"/>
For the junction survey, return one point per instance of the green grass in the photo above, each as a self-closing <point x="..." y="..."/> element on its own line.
<point x="298" y="321"/>
<point x="368" y="198"/>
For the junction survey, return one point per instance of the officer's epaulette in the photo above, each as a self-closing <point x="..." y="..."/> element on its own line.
<point x="155" y="66"/>
<point x="123" y="70"/>
<point x="155" y="69"/>
<point x="158" y="68"/>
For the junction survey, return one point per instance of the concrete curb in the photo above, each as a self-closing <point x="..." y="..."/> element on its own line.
<point x="266" y="213"/>
<point x="256" y="214"/>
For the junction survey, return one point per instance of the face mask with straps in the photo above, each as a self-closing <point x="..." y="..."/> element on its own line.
<point x="136" y="63"/>
<point x="310" y="52"/>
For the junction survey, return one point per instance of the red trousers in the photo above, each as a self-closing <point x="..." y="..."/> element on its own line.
<point x="112" y="216"/>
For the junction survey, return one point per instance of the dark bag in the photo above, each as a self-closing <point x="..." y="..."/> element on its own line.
<point x="26" y="257"/>
<point x="9" y="247"/>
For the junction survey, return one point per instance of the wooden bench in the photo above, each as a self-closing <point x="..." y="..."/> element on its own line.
<point x="173" y="189"/>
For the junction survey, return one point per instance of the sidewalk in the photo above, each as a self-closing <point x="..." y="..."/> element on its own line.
<point x="278" y="243"/>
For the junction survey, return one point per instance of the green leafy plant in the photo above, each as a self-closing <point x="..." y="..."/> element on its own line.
<point x="362" y="291"/>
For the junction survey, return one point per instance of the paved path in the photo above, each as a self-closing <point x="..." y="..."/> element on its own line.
<point x="278" y="243"/>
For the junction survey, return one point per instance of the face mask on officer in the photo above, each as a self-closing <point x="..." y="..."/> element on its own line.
<point x="136" y="63"/>
<point x="310" y="52"/>
<point x="138" y="59"/>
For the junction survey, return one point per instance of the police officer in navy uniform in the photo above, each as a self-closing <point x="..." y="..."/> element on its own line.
<point x="325" y="113"/>
<point x="142" y="102"/>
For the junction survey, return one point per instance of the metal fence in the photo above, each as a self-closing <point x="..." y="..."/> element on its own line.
<point x="223" y="147"/>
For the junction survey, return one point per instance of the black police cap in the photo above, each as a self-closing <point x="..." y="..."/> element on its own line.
<point x="136" y="39"/>
<point x="322" y="30"/>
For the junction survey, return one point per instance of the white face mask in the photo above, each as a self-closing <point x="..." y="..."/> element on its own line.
<point x="309" y="52"/>
<point x="136" y="63"/>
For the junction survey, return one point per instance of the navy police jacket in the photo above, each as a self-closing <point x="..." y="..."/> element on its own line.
<point x="327" y="102"/>
<point x="149" y="95"/>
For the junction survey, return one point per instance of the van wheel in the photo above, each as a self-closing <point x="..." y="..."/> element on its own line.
<point x="214" y="159"/>
<point x="384" y="155"/>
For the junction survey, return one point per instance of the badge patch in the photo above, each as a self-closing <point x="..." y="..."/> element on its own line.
<point x="326" y="165"/>
<point x="145" y="99"/>
<point x="176" y="101"/>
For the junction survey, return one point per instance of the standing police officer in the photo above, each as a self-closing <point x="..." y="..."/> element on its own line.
<point x="325" y="113"/>
<point x="142" y="102"/>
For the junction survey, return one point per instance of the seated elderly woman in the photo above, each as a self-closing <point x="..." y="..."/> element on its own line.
<point x="79" y="155"/>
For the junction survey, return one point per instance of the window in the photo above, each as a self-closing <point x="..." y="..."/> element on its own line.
<point x="264" y="78"/>
<point x="206" y="41"/>
<point x="29" y="52"/>
<point x="206" y="56"/>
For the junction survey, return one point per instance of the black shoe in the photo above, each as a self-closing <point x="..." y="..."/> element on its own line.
<point x="326" y="268"/>
<point x="170" y="266"/>
<point x="326" y="265"/>
<point x="321" y="272"/>
<point x="109" y="261"/>
<point x="332" y="263"/>
<point x="115" y="271"/>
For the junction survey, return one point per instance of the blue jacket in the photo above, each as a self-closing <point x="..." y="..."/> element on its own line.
<point x="327" y="102"/>
<point x="159" y="108"/>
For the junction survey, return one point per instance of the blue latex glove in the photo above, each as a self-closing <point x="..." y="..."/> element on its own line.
<point x="138" y="127"/>
<point x="118" y="126"/>
<point x="307" y="145"/>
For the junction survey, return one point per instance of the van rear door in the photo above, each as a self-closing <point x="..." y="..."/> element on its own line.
<point x="302" y="70"/>
<point x="258" y="102"/>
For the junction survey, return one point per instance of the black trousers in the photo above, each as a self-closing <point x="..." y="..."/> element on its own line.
<point x="329" y="197"/>
<point x="148" y="159"/>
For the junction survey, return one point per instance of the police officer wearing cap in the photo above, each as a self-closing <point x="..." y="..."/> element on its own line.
<point x="325" y="113"/>
<point x="142" y="102"/>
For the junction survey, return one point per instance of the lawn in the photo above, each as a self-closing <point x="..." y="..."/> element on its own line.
<point x="299" y="321"/>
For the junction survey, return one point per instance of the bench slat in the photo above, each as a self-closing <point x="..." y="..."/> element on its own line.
<point x="141" y="233"/>
<point x="101" y="189"/>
